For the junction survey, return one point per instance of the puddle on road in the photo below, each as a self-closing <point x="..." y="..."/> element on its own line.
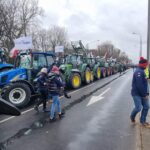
<point x="41" y="123"/>
<point x="23" y="132"/>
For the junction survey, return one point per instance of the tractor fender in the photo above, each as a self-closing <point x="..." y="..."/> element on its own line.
<point x="84" y="66"/>
<point x="76" y="71"/>
<point x="27" y="83"/>
<point x="95" y="68"/>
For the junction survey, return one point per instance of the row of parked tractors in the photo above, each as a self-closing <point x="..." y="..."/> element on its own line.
<point x="17" y="81"/>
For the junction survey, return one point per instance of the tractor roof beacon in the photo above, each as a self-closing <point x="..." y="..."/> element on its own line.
<point x="17" y="84"/>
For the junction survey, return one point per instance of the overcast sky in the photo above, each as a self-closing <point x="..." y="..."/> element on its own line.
<point x="103" y="20"/>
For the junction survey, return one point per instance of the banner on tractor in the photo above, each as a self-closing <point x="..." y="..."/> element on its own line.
<point x="59" y="49"/>
<point x="23" y="43"/>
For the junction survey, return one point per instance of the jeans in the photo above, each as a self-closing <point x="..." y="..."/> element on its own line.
<point x="139" y="103"/>
<point x="55" y="104"/>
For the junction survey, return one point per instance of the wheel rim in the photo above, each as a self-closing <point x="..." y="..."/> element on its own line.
<point x="17" y="95"/>
<point x="98" y="73"/>
<point x="76" y="81"/>
<point x="88" y="76"/>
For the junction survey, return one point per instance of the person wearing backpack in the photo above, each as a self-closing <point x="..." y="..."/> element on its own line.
<point x="56" y="86"/>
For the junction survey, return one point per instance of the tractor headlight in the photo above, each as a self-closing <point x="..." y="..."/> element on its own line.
<point x="23" y="76"/>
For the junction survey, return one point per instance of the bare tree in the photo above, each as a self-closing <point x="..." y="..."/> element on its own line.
<point x="106" y="48"/>
<point x="16" y="18"/>
<point x="57" y="36"/>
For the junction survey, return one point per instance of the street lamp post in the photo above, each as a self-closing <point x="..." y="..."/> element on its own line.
<point x="148" y="33"/>
<point x="140" y="53"/>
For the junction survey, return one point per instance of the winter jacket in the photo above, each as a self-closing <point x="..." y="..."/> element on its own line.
<point x="42" y="80"/>
<point x="55" y="84"/>
<point x="139" y="83"/>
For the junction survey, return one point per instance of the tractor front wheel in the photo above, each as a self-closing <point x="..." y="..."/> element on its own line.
<point x="98" y="73"/>
<point x="18" y="94"/>
<point x="87" y="76"/>
<point x="75" y="80"/>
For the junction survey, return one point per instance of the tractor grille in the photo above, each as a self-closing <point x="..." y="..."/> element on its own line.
<point x="4" y="79"/>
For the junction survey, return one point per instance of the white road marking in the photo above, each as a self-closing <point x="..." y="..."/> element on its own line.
<point x="4" y="120"/>
<point x="24" y="112"/>
<point x="95" y="99"/>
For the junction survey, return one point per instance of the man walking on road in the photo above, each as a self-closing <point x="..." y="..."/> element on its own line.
<point x="140" y="93"/>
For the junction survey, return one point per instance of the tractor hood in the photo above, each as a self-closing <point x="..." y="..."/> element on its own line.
<point x="12" y="75"/>
<point x="6" y="66"/>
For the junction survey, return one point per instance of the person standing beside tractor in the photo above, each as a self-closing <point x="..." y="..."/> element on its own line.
<point x="56" y="87"/>
<point x="42" y="89"/>
<point x="140" y="93"/>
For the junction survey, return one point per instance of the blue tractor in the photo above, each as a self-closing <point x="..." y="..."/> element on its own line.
<point x="3" y="62"/>
<point x="17" y="84"/>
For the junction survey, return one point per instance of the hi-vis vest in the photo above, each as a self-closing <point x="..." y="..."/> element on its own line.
<point x="147" y="72"/>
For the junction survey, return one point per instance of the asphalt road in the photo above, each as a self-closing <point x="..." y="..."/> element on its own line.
<point x="97" y="122"/>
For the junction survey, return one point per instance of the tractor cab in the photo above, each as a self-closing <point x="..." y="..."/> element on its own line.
<point x="33" y="62"/>
<point x="75" y="60"/>
<point x="19" y="80"/>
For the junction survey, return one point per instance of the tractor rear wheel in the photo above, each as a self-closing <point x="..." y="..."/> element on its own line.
<point x="18" y="94"/>
<point x="75" y="80"/>
<point x="92" y="76"/>
<point x="87" y="75"/>
<point x="98" y="73"/>
<point x="103" y="73"/>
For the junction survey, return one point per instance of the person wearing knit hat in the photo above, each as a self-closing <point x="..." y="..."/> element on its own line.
<point x="140" y="93"/>
<point x="56" y="86"/>
<point x="42" y="89"/>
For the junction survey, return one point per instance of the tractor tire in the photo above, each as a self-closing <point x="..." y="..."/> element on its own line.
<point x="108" y="72"/>
<point x="87" y="75"/>
<point x="103" y="73"/>
<point x="98" y="73"/>
<point x="18" y="94"/>
<point x="75" y="80"/>
<point x="92" y="77"/>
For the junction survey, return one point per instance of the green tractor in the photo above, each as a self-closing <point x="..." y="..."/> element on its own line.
<point x="95" y="68"/>
<point x="101" y="62"/>
<point x="75" y="70"/>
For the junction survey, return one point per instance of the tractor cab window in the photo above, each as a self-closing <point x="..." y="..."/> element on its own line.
<point x="93" y="61"/>
<point x="74" y="59"/>
<point x="79" y="60"/>
<point x="50" y="60"/>
<point x="68" y="59"/>
<point x="24" y="61"/>
<point x="39" y="61"/>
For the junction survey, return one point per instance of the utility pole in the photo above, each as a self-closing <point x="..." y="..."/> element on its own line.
<point x="148" y="33"/>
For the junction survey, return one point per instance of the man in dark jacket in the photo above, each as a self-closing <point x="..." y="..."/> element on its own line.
<point x="42" y="89"/>
<point x="55" y="88"/>
<point x="140" y="93"/>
